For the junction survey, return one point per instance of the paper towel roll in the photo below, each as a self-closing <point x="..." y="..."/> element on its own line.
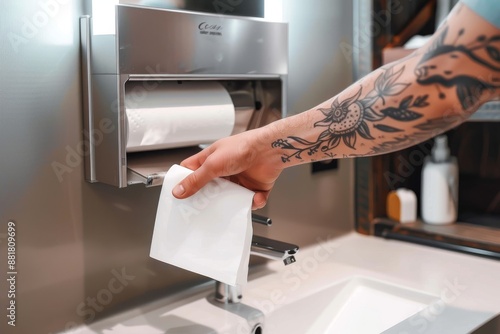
<point x="176" y="114"/>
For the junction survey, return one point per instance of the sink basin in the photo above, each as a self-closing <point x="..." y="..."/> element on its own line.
<point x="356" y="305"/>
<point x="349" y="291"/>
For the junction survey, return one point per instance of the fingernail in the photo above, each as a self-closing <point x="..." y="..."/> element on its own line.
<point x="178" y="190"/>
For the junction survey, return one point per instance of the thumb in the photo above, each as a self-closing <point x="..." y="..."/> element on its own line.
<point x="192" y="183"/>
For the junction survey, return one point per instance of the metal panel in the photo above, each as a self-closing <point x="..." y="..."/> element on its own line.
<point x="106" y="105"/>
<point x="88" y="121"/>
<point x="318" y="205"/>
<point x="104" y="55"/>
<point x="181" y="43"/>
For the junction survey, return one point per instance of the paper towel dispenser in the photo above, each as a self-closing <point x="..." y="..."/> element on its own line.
<point x="166" y="81"/>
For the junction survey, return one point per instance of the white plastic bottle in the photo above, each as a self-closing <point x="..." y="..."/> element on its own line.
<point x="439" y="194"/>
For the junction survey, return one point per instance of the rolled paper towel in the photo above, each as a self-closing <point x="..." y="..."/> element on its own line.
<point x="170" y="114"/>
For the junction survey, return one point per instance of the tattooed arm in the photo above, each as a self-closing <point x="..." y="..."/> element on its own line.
<point x="397" y="106"/>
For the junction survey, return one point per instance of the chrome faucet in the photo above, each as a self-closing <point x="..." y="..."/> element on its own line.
<point x="263" y="247"/>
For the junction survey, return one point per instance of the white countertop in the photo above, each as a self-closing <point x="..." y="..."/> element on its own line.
<point x="466" y="288"/>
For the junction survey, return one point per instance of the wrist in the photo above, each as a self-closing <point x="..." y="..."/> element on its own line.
<point x="266" y="136"/>
<point x="279" y="132"/>
<point x="282" y="136"/>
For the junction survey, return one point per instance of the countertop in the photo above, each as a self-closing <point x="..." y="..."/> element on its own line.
<point x="466" y="287"/>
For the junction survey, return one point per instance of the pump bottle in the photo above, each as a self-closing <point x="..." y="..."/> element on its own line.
<point x="439" y="194"/>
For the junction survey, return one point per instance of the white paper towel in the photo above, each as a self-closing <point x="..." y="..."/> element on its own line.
<point x="209" y="233"/>
<point x="172" y="114"/>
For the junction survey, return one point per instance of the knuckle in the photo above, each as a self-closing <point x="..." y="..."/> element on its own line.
<point x="192" y="183"/>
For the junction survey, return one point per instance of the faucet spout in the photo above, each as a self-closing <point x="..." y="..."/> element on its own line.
<point x="273" y="249"/>
<point x="263" y="247"/>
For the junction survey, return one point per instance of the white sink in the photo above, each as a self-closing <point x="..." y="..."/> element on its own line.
<point x="357" y="305"/>
<point x="341" y="286"/>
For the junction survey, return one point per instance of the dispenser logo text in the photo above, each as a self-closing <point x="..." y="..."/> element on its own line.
<point x="206" y="28"/>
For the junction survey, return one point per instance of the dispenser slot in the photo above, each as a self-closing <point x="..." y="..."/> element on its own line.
<point x="256" y="103"/>
<point x="150" y="167"/>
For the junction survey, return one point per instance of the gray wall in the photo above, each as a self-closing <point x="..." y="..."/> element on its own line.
<point x="306" y="207"/>
<point x="73" y="238"/>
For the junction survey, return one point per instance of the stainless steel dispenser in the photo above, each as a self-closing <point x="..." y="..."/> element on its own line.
<point x="153" y="47"/>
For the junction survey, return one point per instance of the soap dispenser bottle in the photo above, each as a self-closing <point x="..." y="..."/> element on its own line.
<point x="439" y="195"/>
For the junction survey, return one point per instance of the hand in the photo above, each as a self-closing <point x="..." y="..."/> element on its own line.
<point x="246" y="159"/>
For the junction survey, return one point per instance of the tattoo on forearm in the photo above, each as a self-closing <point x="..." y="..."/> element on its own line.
<point x="439" y="65"/>
<point x="445" y="64"/>
<point x="346" y="120"/>
<point x="425" y="130"/>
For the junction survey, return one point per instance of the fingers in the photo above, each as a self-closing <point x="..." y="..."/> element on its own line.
<point x="195" y="161"/>
<point x="193" y="182"/>
<point x="201" y="176"/>
<point x="260" y="200"/>
<point x="196" y="180"/>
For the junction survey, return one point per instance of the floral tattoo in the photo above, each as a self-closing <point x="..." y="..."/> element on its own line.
<point x="451" y="61"/>
<point x="346" y="120"/>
